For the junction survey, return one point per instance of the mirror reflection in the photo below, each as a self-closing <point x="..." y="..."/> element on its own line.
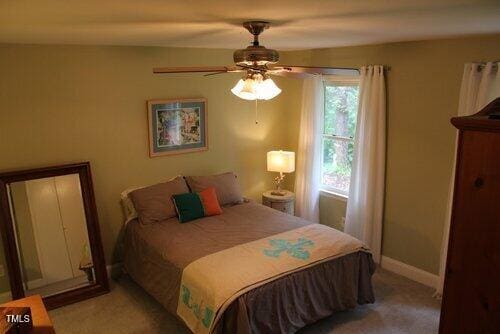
<point x="51" y="234"/>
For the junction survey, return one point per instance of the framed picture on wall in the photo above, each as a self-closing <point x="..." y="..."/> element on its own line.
<point x="177" y="126"/>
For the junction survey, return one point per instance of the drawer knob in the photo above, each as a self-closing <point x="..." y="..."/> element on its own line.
<point x="479" y="182"/>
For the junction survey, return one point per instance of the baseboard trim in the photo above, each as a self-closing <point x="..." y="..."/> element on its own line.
<point x="413" y="273"/>
<point x="36" y="283"/>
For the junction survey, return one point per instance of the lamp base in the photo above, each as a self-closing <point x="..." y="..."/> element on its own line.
<point x="278" y="193"/>
<point x="278" y="180"/>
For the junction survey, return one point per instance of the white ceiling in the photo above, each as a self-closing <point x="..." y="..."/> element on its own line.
<point x="296" y="24"/>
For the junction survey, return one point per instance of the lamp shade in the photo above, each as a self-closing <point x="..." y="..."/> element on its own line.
<point x="281" y="161"/>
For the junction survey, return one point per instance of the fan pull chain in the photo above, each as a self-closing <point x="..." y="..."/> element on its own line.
<point x="256" y="120"/>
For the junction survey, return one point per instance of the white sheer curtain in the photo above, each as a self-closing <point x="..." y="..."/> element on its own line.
<point x="366" y="191"/>
<point x="480" y="85"/>
<point x="307" y="175"/>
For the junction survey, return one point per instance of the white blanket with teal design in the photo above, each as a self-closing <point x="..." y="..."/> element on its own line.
<point x="211" y="283"/>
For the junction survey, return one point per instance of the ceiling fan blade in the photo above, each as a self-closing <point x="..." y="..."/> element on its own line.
<point x="221" y="72"/>
<point x="197" y="69"/>
<point x="317" y="70"/>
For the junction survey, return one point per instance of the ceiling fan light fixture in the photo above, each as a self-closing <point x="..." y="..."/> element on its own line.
<point x="253" y="87"/>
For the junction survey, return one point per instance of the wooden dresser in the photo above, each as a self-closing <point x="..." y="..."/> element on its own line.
<point x="471" y="296"/>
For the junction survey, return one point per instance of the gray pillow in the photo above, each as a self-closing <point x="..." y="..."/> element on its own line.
<point x="226" y="187"/>
<point x="154" y="203"/>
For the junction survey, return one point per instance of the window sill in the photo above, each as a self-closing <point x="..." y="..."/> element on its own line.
<point x="330" y="193"/>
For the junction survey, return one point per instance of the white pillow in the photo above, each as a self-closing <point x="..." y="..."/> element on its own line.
<point x="128" y="206"/>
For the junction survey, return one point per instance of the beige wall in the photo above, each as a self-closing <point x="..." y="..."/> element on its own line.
<point x="423" y="88"/>
<point x="61" y="104"/>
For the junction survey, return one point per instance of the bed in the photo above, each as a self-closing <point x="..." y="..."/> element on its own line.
<point x="155" y="256"/>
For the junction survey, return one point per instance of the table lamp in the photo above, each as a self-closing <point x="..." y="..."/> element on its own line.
<point x="282" y="162"/>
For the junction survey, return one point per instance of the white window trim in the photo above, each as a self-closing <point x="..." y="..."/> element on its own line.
<point x="341" y="78"/>
<point x="337" y="79"/>
<point x="333" y="194"/>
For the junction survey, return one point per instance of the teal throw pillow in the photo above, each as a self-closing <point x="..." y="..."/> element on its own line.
<point x="189" y="207"/>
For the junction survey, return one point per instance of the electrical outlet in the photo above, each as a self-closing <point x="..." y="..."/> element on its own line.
<point x="2" y="271"/>
<point x="342" y="222"/>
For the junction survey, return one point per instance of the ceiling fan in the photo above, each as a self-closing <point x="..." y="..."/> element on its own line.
<point x="257" y="62"/>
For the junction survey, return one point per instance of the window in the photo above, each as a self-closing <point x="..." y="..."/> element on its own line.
<point x="339" y="127"/>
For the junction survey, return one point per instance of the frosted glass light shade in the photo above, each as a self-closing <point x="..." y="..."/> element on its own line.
<point x="267" y="90"/>
<point x="256" y="89"/>
<point x="281" y="161"/>
<point x="238" y="87"/>
<point x="245" y="89"/>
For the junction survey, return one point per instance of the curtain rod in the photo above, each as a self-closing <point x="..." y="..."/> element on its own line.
<point x="386" y="68"/>
<point x="483" y="63"/>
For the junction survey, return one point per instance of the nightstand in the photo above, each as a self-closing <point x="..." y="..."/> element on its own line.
<point x="285" y="203"/>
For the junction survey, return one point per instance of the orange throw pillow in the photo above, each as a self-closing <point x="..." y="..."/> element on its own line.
<point x="210" y="202"/>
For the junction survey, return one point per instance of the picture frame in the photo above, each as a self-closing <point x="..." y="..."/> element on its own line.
<point x="177" y="126"/>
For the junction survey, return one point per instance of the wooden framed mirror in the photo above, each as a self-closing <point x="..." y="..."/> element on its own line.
<point x="50" y="234"/>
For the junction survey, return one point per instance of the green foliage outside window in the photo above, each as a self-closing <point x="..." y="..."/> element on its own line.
<point x="341" y="104"/>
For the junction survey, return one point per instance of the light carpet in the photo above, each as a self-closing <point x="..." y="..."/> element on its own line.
<point x="402" y="306"/>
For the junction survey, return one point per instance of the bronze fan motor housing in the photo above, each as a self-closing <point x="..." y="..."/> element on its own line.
<point x="256" y="54"/>
<point x="255" y="61"/>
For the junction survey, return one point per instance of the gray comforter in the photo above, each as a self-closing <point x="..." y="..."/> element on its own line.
<point x="156" y="254"/>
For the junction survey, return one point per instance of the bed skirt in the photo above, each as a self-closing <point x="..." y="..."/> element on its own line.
<point x="304" y="297"/>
